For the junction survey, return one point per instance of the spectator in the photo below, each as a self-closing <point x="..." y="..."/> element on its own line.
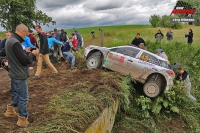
<point x="75" y="41"/>
<point x="141" y="45"/>
<point x="169" y="35"/>
<point x="93" y="34"/>
<point x="66" y="51"/>
<point x="27" y="43"/>
<point x="0" y="39"/>
<point x="53" y="46"/>
<point x="3" y="42"/>
<point x="137" y="40"/>
<point x="33" y="39"/>
<point x="63" y="38"/>
<point x="159" y="35"/>
<point x="58" y="37"/>
<point x="43" y="53"/>
<point x="18" y="72"/>
<point x="162" y="54"/>
<point x="189" y="36"/>
<point x="80" y="40"/>
<point x="183" y="76"/>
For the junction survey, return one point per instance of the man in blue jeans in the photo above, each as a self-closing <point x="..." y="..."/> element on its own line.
<point x="66" y="51"/>
<point x="18" y="62"/>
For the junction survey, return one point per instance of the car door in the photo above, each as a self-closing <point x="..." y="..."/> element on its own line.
<point x="132" y="63"/>
<point x="148" y="63"/>
<point x="116" y="60"/>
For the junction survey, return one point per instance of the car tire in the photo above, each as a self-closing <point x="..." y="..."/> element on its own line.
<point x="151" y="89"/>
<point x="94" y="61"/>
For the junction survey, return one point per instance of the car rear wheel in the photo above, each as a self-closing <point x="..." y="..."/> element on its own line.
<point x="94" y="61"/>
<point x="151" y="89"/>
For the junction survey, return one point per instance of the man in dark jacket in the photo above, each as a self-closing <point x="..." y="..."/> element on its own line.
<point x="137" y="40"/>
<point x="66" y="51"/>
<point x="3" y="42"/>
<point x="189" y="36"/>
<point x="63" y="37"/>
<point x="19" y="73"/>
<point x="159" y="35"/>
<point x="58" y="37"/>
<point x="184" y="77"/>
<point x="43" y="53"/>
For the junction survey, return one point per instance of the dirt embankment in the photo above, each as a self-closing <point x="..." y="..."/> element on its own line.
<point x="86" y="92"/>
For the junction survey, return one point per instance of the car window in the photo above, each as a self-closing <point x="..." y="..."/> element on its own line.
<point x="118" y="50"/>
<point x="132" y="52"/>
<point x="164" y="64"/>
<point x="149" y="58"/>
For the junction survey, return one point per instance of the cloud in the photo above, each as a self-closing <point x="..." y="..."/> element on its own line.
<point x="88" y="13"/>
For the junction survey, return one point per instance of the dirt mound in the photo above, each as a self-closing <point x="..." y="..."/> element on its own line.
<point x="69" y="101"/>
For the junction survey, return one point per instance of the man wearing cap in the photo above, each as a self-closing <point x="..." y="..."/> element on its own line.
<point x="137" y="40"/>
<point x="79" y="38"/>
<point x="162" y="54"/>
<point x="141" y="45"/>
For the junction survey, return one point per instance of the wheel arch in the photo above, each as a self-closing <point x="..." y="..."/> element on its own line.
<point x="94" y="51"/>
<point x="160" y="77"/>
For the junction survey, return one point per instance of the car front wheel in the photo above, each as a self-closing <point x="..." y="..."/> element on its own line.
<point x="94" y="61"/>
<point x="151" y="89"/>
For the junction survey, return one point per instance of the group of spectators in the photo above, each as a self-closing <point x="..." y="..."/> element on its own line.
<point x="182" y="74"/>
<point x="18" y="52"/>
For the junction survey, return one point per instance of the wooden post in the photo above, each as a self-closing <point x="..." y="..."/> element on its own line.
<point x="102" y="37"/>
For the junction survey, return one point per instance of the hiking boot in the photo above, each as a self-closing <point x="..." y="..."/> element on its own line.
<point x="22" y="121"/>
<point x="10" y="112"/>
<point x="35" y="77"/>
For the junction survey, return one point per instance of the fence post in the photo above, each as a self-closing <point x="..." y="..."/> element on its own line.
<point x="102" y="37"/>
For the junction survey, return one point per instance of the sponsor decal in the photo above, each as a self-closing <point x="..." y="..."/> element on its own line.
<point x="116" y="57"/>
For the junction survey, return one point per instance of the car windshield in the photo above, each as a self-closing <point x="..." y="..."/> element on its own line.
<point x="164" y="64"/>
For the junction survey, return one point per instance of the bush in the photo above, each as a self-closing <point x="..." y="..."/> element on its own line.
<point x="164" y="21"/>
<point x="154" y="19"/>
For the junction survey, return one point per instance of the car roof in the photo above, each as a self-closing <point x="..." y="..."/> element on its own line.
<point x="160" y="58"/>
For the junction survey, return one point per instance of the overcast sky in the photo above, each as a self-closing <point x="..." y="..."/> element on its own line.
<point x="89" y="13"/>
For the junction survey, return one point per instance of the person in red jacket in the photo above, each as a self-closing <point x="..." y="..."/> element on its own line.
<point x="32" y="38"/>
<point x="74" y="41"/>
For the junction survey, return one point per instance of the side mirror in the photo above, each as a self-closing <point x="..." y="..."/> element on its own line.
<point x="175" y="65"/>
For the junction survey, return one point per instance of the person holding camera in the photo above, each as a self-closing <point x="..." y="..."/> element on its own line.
<point x="189" y="36"/>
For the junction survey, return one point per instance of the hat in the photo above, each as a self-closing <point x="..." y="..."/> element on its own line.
<point x="159" y="50"/>
<point x="75" y="31"/>
<point x="141" y="44"/>
<point x="30" y="31"/>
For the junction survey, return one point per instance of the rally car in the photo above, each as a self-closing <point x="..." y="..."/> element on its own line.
<point x="145" y="67"/>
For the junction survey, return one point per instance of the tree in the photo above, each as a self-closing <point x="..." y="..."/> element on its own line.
<point x="154" y="19"/>
<point x="14" y="12"/>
